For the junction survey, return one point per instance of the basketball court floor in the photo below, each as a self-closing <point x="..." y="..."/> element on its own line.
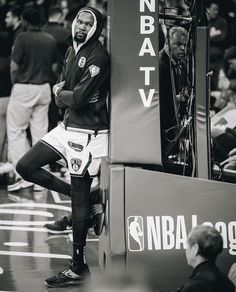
<point x="28" y="253"/>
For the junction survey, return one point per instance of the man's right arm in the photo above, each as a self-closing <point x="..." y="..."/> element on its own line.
<point x="16" y="57"/>
<point x="56" y="90"/>
<point x="14" y="67"/>
<point x="60" y="83"/>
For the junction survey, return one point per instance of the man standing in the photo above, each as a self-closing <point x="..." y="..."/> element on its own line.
<point x="13" y="21"/>
<point x="55" y="27"/>
<point x="33" y="57"/>
<point x="203" y="247"/>
<point x="173" y="83"/>
<point x="82" y="138"/>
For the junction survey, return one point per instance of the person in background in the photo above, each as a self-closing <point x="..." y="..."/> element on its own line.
<point x="218" y="34"/>
<point x="13" y="28"/>
<point x="34" y="56"/>
<point x="223" y="123"/>
<point x="172" y="83"/>
<point x="55" y="27"/>
<point x="13" y="21"/>
<point x="204" y="245"/>
<point x="5" y="91"/>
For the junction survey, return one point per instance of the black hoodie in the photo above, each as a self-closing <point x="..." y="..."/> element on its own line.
<point x="86" y="72"/>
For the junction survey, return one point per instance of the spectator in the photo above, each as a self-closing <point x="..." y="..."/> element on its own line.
<point x="172" y="83"/>
<point x="33" y="58"/>
<point x="203" y="247"/>
<point x="228" y="12"/>
<point x="5" y="90"/>
<point x="218" y="34"/>
<point x="42" y="6"/>
<point x="13" y="21"/>
<point x="223" y="123"/>
<point x="54" y="26"/>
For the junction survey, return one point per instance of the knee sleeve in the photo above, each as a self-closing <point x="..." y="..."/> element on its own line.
<point x="80" y="197"/>
<point x="23" y="169"/>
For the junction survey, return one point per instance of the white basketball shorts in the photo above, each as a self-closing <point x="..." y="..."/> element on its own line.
<point x="82" y="151"/>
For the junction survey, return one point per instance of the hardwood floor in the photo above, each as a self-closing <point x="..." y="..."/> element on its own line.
<point x="28" y="253"/>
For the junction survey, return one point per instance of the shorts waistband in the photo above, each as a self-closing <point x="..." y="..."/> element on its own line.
<point x="84" y="131"/>
<point x="30" y="83"/>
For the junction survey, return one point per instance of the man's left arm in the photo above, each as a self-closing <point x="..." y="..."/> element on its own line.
<point x="97" y="70"/>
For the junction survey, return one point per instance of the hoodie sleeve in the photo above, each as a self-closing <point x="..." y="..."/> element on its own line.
<point x="61" y="78"/>
<point x="96" y="71"/>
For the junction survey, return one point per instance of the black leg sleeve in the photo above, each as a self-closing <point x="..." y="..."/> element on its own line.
<point x="30" y="168"/>
<point x="80" y="198"/>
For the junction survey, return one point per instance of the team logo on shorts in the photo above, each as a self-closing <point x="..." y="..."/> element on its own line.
<point x="135" y="233"/>
<point x="94" y="70"/>
<point x="77" y="147"/>
<point x="75" y="164"/>
<point x="82" y="62"/>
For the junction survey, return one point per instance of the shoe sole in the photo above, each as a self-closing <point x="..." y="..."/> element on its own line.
<point x="22" y="188"/>
<point x="58" y="232"/>
<point x="81" y="282"/>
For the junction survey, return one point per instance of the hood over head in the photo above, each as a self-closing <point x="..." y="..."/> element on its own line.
<point x="94" y="32"/>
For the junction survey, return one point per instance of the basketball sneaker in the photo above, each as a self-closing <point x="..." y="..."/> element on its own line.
<point x="71" y="276"/>
<point x="61" y="226"/>
<point x="19" y="185"/>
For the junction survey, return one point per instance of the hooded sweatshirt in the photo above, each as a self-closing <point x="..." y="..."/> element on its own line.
<point x="86" y="72"/>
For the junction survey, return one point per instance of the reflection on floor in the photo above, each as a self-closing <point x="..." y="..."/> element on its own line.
<point x="29" y="254"/>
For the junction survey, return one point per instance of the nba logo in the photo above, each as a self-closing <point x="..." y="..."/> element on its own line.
<point x="135" y="233"/>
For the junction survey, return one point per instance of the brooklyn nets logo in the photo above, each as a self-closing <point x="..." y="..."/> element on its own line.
<point x="75" y="163"/>
<point x="135" y="233"/>
<point x="82" y="62"/>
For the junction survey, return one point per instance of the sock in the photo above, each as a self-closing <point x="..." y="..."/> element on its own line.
<point x="79" y="255"/>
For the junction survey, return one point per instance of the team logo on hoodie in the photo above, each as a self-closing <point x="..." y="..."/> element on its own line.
<point x="94" y="70"/>
<point x="82" y="62"/>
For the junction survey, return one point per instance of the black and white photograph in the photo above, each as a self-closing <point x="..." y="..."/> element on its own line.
<point x="118" y="145"/>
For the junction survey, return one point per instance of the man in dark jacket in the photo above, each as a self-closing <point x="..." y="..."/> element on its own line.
<point x="33" y="61"/>
<point x="82" y="138"/>
<point x="173" y="82"/>
<point x="204" y="245"/>
<point x="13" y="21"/>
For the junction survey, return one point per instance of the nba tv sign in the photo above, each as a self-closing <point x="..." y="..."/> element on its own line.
<point x="170" y="233"/>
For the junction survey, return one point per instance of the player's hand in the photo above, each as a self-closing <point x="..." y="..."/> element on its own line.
<point x="58" y="87"/>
